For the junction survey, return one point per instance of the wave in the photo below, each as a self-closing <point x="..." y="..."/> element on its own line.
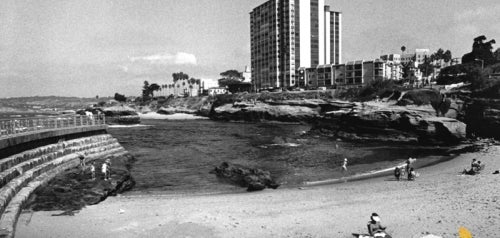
<point x="176" y="116"/>
<point x="280" y="145"/>
<point x="128" y="126"/>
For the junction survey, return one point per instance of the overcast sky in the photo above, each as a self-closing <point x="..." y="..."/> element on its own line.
<point x="86" y="48"/>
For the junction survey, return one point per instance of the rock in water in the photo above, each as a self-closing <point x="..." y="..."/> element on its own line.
<point x="253" y="179"/>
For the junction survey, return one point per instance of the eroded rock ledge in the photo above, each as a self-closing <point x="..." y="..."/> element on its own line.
<point x="355" y="121"/>
<point x="73" y="189"/>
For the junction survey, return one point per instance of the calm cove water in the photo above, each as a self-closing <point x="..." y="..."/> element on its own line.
<point x="176" y="156"/>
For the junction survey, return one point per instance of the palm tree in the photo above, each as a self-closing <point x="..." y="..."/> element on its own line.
<point x="190" y="90"/>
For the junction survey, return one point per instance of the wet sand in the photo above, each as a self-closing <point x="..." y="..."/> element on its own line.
<point x="439" y="202"/>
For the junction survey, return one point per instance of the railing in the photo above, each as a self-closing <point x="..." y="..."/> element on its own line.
<point x="10" y="127"/>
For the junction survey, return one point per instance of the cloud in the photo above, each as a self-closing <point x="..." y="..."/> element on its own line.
<point x="481" y="14"/>
<point x="179" y="58"/>
<point x="124" y="68"/>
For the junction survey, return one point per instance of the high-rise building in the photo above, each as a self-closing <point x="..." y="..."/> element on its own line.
<point x="289" y="34"/>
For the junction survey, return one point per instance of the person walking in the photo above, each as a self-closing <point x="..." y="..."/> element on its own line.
<point x="344" y="165"/>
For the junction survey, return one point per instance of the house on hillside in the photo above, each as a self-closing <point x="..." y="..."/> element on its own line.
<point x="216" y="91"/>
<point x="182" y="88"/>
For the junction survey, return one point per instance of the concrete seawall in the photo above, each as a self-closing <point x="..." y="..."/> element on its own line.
<point x="30" y="160"/>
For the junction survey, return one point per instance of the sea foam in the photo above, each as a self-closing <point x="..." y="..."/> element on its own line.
<point x="177" y="116"/>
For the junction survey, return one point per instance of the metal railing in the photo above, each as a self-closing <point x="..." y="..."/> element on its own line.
<point x="16" y="126"/>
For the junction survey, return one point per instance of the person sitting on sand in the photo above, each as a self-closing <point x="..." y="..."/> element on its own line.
<point x="397" y="173"/>
<point x="374" y="226"/>
<point x="473" y="163"/>
<point x="475" y="166"/>
<point x="412" y="174"/>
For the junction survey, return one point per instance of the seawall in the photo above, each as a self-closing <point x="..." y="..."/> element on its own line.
<point x="30" y="160"/>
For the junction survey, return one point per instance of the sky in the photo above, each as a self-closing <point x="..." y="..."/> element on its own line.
<point x="100" y="47"/>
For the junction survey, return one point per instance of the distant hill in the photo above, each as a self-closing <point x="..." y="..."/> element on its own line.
<point x="47" y="103"/>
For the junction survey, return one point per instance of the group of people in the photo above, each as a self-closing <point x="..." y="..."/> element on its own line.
<point x="105" y="169"/>
<point x="410" y="171"/>
<point x="475" y="167"/>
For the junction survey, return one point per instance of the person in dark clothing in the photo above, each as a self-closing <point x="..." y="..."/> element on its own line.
<point x="397" y="173"/>
<point x="407" y="167"/>
<point x="411" y="174"/>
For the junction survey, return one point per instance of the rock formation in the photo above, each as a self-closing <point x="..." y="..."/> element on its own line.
<point x="354" y="121"/>
<point x="74" y="189"/>
<point x="253" y="179"/>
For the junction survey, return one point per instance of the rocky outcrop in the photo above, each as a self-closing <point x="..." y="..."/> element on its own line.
<point x="348" y="120"/>
<point x="74" y="189"/>
<point x="270" y="111"/>
<point x="171" y="110"/>
<point x="391" y="123"/>
<point x="121" y="115"/>
<point x="253" y="179"/>
<point x="483" y="117"/>
<point x="190" y="105"/>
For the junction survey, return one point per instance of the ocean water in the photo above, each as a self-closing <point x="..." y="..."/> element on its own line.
<point x="176" y="156"/>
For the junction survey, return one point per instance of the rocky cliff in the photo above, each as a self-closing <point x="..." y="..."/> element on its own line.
<point x="347" y="120"/>
<point x="482" y="116"/>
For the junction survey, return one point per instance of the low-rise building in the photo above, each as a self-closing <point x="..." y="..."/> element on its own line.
<point x="183" y="87"/>
<point x="217" y="90"/>
<point x="353" y="73"/>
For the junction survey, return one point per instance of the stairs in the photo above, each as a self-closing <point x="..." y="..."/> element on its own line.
<point x="21" y="174"/>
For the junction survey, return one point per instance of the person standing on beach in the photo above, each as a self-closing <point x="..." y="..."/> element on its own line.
<point x="408" y="162"/>
<point x="82" y="162"/>
<point x="412" y="174"/>
<point x="397" y="173"/>
<point x="92" y="170"/>
<point x="344" y="165"/>
<point x="105" y="170"/>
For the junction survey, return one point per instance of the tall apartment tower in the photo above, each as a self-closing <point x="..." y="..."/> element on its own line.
<point x="290" y="34"/>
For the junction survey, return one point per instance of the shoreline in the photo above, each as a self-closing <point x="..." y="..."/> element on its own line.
<point x="439" y="202"/>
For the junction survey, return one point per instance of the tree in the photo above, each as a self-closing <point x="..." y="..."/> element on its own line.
<point x="408" y="67"/>
<point x="153" y="88"/>
<point x="232" y="74"/>
<point x="120" y="97"/>
<point x="481" y="52"/>
<point x="496" y="54"/>
<point x="403" y="49"/>
<point x="145" y="90"/>
<point x="223" y="82"/>
<point x="447" y="56"/>
<point x="179" y="76"/>
<point x="233" y="80"/>
<point x="426" y="67"/>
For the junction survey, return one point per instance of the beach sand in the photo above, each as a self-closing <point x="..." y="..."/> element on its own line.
<point x="439" y="202"/>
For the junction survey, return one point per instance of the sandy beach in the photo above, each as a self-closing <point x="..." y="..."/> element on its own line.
<point x="439" y="202"/>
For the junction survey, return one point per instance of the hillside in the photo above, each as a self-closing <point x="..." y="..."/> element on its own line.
<point x="46" y="103"/>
